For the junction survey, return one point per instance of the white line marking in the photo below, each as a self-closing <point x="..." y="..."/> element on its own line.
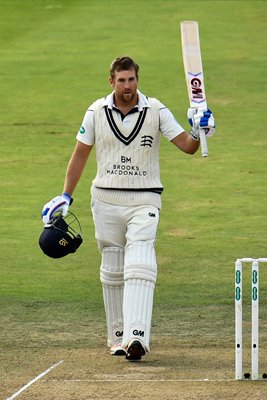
<point x="34" y="380"/>
<point x="143" y="380"/>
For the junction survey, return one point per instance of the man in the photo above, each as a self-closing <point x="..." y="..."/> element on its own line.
<point x="125" y="128"/>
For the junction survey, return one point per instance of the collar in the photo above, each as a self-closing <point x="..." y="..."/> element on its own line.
<point x="142" y="101"/>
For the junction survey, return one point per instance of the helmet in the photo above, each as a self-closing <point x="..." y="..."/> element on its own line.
<point x="59" y="237"/>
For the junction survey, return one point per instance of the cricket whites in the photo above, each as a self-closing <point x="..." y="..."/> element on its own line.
<point x="194" y="73"/>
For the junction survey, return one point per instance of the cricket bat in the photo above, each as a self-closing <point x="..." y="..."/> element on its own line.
<point x="194" y="73"/>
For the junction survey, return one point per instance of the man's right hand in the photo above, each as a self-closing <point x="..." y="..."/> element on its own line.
<point x="57" y="204"/>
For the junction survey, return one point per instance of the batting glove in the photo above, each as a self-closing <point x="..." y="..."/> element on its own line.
<point x="57" y="204"/>
<point x="201" y="119"/>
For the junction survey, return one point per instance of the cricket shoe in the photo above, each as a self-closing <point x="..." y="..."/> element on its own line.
<point x="135" y="350"/>
<point x="117" y="349"/>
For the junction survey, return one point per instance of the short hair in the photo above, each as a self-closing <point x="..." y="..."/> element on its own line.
<point x="123" y="64"/>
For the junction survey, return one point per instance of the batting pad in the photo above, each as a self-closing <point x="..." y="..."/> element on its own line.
<point x="111" y="276"/>
<point x="140" y="276"/>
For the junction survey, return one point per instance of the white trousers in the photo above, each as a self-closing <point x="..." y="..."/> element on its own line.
<point x="126" y="236"/>
<point x="117" y="225"/>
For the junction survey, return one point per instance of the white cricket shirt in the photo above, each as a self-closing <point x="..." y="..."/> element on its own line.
<point x="127" y="149"/>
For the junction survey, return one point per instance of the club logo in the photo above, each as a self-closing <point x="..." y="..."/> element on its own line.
<point x="147" y="140"/>
<point x="63" y="242"/>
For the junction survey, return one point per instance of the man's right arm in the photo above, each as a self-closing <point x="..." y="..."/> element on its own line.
<point x="76" y="166"/>
<point x="74" y="171"/>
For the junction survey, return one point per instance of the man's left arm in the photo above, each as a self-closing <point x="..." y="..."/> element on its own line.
<point x="186" y="143"/>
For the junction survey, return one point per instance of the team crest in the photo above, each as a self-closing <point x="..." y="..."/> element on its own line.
<point x="63" y="242"/>
<point x="146" y="140"/>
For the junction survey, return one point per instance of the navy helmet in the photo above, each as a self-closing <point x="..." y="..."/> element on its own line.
<point x="60" y="236"/>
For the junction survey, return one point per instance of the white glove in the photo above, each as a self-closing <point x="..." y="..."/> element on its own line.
<point x="201" y="119"/>
<point x="57" y="204"/>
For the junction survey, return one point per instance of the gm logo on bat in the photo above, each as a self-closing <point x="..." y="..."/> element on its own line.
<point x="196" y="87"/>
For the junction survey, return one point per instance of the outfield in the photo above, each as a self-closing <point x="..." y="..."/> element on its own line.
<point x="55" y="56"/>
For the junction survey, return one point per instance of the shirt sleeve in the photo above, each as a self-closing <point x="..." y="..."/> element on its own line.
<point x="86" y="133"/>
<point x="169" y="126"/>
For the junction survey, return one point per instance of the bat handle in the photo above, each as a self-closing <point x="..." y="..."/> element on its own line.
<point x="203" y="143"/>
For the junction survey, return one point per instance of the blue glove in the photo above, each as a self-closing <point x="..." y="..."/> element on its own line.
<point x="59" y="204"/>
<point x="201" y="119"/>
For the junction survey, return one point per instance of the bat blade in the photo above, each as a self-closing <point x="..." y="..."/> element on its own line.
<point x="194" y="72"/>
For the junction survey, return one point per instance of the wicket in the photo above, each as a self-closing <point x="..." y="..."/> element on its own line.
<point x="255" y="262"/>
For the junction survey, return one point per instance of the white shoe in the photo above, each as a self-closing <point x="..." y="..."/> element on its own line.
<point x="117" y="349"/>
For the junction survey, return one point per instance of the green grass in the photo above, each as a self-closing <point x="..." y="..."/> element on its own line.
<point x="55" y="56"/>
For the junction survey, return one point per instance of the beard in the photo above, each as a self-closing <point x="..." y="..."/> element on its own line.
<point x="127" y="97"/>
